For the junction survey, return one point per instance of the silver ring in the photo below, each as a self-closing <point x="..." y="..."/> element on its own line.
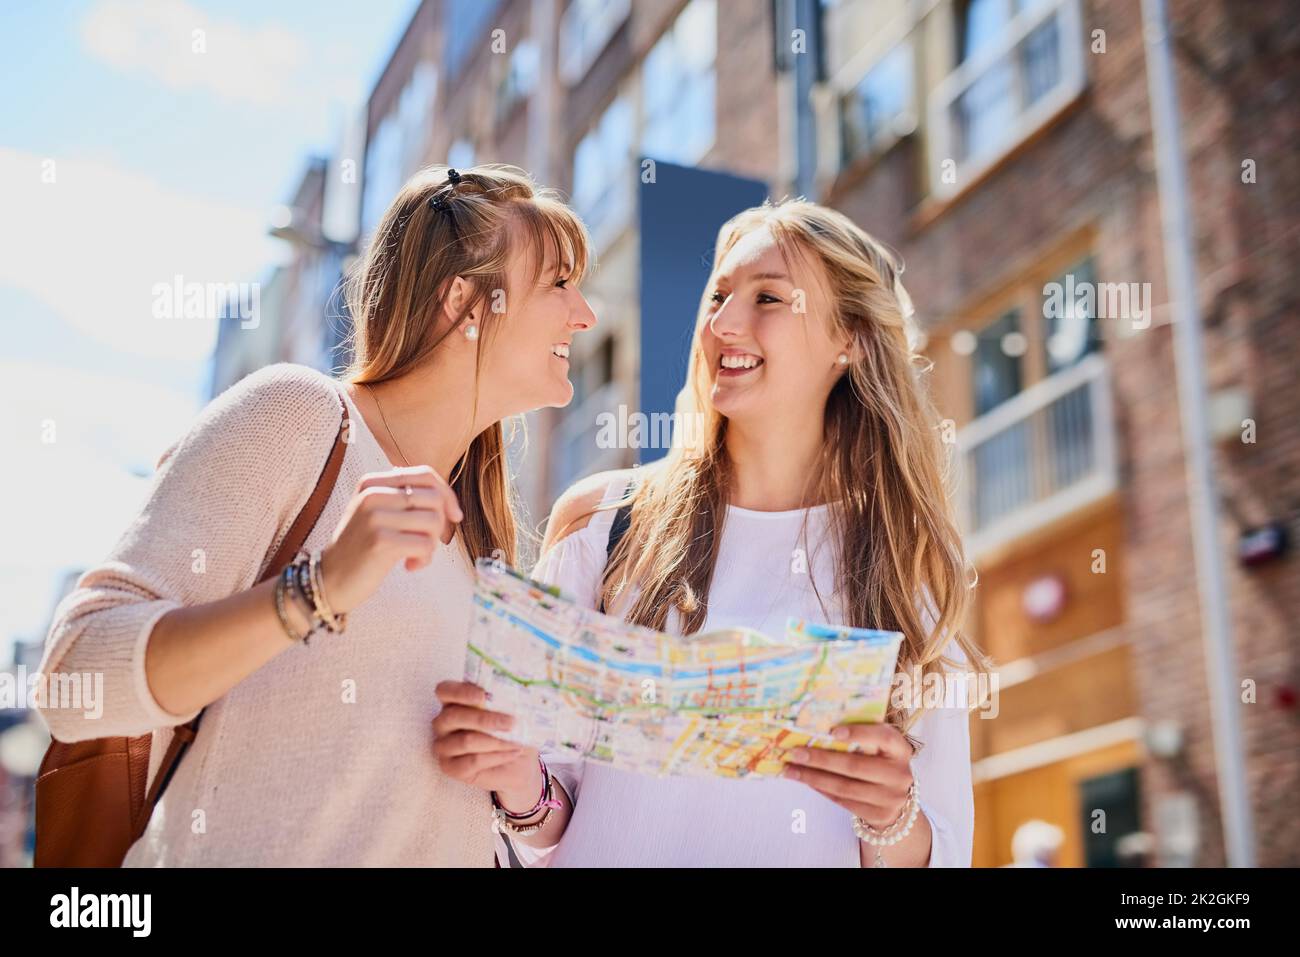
<point x="410" y="493"/>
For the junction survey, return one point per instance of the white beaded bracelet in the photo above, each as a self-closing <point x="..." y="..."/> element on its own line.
<point x="894" y="832"/>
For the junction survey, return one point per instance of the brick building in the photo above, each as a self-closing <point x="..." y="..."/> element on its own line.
<point x="1004" y="146"/>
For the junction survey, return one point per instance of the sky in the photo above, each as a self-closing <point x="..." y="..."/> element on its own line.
<point x="140" y="140"/>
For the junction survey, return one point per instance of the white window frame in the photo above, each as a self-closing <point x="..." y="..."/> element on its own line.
<point x="668" y="38"/>
<point x="1073" y="80"/>
<point x="908" y="115"/>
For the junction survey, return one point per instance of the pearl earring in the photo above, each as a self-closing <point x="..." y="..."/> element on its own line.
<point x="843" y="359"/>
<point x="471" y="332"/>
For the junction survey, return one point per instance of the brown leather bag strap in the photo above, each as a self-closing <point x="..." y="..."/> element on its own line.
<point x="310" y="513"/>
<point x="183" y="735"/>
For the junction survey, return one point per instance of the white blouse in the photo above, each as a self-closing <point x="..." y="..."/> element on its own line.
<point x="622" y="819"/>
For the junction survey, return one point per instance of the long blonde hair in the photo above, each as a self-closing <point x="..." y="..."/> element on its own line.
<point x="397" y="294"/>
<point x="899" y="548"/>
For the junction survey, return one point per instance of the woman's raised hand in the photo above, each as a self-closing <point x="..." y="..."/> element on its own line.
<point x="397" y="515"/>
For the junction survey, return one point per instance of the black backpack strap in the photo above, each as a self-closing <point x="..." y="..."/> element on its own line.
<point x="622" y="522"/>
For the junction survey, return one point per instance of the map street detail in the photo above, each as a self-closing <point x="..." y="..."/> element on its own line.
<point x="729" y="702"/>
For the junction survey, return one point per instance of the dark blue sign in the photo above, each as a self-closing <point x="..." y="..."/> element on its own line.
<point x="680" y="215"/>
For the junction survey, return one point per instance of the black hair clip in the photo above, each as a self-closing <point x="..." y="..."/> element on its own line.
<point x="453" y="175"/>
<point x="440" y="203"/>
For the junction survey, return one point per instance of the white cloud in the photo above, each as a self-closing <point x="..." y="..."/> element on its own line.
<point x="93" y="244"/>
<point x="187" y="49"/>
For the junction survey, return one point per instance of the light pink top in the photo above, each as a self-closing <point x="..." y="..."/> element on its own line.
<point x="623" y="819"/>
<point x="323" y="756"/>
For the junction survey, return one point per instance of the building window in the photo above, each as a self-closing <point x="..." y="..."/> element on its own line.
<point x="1119" y="796"/>
<point x="1019" y="61"/>
<point x="383" y="172"/>
<point x="415" y="109"/>
<point x="986" y="108"/>
<point x="520" y="79"/>
<point x="995" y="372"/>
<point x="1011" y="84"/>
<point x="602" y="172"/>
<point x="585" y="30"/>
<point x="1070" y="327"/>
<point x="881" y="108"/>
<point x="999" y="462"/>
<point x="397" y="148"/>
<point x="1041" y="440"/>
<point x="464" y="26"/>
<point x="979" y="23"/>
<point x="678" y="83"/>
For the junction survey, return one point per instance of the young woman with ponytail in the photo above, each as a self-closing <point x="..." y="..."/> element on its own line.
<point x="814" y="488"/>
<point x="316" y="687"/>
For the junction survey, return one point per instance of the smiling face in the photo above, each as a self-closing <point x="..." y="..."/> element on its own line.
<point x="767" y="335"/>
<point x="527" y="358"/>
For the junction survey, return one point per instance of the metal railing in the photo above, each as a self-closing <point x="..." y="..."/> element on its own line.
<point x="1038" y="456"/>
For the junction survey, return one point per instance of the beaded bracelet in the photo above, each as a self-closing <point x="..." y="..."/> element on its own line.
<point x="282" y="583"/>
<point x="335" y="623"/>
<point x="302" y="579"/>
<point x="894" y="832"/>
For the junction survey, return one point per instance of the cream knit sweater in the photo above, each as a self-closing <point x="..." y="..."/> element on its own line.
<point x="323" y="757"/>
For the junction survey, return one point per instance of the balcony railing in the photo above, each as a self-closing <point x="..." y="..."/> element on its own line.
<point x="1038" y="456"/>
<point x="1004" y="92"/>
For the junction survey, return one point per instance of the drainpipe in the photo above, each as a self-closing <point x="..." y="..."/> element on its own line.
<point x="1189" y="356"/>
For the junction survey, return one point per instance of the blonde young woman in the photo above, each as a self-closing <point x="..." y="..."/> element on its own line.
<point x="818" y="443"/>
<point x="316" y="752"/>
